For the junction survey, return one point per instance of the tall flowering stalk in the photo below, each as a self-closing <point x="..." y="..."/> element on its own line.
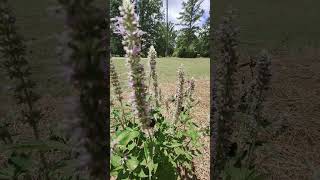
<point x="227" y="60"/>
<point x="152" y="55"/>
<point x="115" y="82"/>
<point x="127" y="25"/>
<point x="117" y="89"/>
<point x="190" y="89"/>
<point x="258" y="88"/>
<point x="86" y="27"/>
<point x="262" y="81"/>
<point x="179" y="93"/>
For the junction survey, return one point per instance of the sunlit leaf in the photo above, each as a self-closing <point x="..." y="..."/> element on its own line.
<point x="132" y="163"/>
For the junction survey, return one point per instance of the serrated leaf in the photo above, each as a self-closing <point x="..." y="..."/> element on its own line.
<point x="142" y="174"/>
<point x="116" y="160"/>
<point x="132" y="146"/>
<point x="144" y="162"/>
<point x="114" y="173"/>
<point x="126" y="136"/>
<point x="132" y="163"/>
<point x="193" y="134"/>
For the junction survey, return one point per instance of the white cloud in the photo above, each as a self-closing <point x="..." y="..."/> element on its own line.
<point x="175" y="6"/>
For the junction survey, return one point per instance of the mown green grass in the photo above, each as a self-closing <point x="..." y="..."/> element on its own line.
<point x="199" y="68"/>
<point x="265" y="23"/>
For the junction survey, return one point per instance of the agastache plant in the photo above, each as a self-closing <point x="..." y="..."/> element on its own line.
<point x="179" y="93"/>
<point x="13" y="54"/>
<point x="115" y="82"/>
<point x="227" y="60"/>
<point x="256" y="97"/>
<point x="128" y="27"/>
<point x="117" y="89"/>
<point x="87" y="26"/>
<point x="262" y="81"/>
<point x="190" y="88"/>
<point x="152" y="55"/>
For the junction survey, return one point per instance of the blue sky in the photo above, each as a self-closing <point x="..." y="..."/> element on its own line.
<point x="175" y="6"/>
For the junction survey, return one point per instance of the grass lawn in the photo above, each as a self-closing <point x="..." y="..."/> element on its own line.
<point x="199" y="68"/>
<point x="266" y="23"/>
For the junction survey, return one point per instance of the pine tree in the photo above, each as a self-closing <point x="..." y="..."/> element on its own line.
<point x="203" y="43"/>
<point x="190" y="15"/>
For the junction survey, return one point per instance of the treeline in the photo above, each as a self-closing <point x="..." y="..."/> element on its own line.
<point x="192" y="40"/>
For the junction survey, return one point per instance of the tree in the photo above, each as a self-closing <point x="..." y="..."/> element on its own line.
<point x="115" y="40"/>
<point x="161" y="39"/>
<point x="203" y="43"/>
<point x="150" y="20"/>
<point x="190" y="15"/>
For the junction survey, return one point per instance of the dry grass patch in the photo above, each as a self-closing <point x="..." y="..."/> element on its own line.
<point x="294" y="94"/>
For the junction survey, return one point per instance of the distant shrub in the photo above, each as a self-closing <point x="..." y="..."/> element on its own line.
<point x="186" y="52"/>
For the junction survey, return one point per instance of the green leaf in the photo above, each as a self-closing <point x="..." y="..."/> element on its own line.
<point x="132" y="146"/>
<point x="189" y="157"/>
<point x="193" y="134"/>
<point x="165" y="152"/>
<point x="116" y="160"/>
<point x="144" y="162"/>
<point x="132" y="163"/>
<point x="146" y="152"/>
<point x="142" y="174"/>
<point x="155" y="167"/>
<point x="173" y="163"/>
<point x="114" y="173"/>
<point x="175" y="144"/>
<point x="126" y="136"/>
<point x="178" y="151"/>
<point x="151" y="166"/>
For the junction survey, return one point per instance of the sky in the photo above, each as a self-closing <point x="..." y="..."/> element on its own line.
<point x="175" y="6"/>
